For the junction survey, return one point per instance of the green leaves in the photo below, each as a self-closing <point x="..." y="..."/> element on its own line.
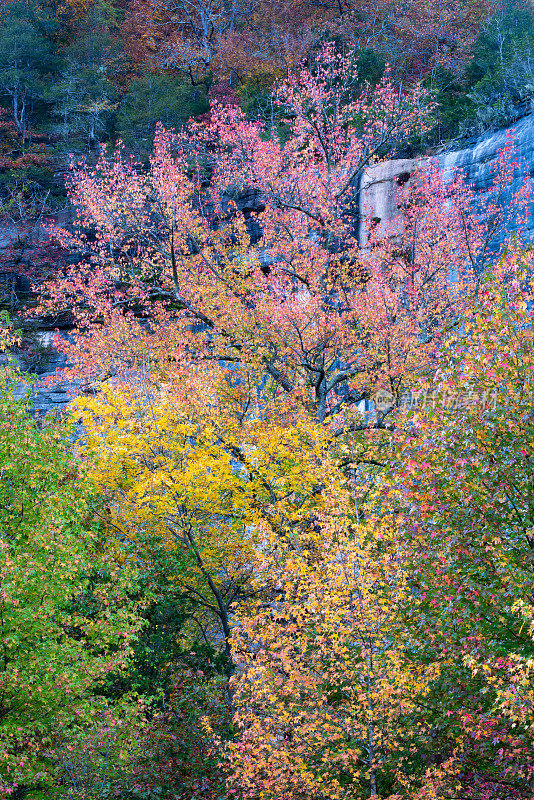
<point x="62" y="631"/>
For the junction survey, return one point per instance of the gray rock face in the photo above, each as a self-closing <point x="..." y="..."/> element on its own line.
<point x="20" y="248"/>
<point x="46" y="398"/>
<point x="379" y="193"/>
<point x="479" y="161"/>
<point x="39" y="362"/>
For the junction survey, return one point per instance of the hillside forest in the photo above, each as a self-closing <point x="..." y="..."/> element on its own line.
<point x="279" y="545"/>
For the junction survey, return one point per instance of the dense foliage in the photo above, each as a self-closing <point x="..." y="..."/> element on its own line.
<point x="67" y="618"/>
<point x="280" y="546"/>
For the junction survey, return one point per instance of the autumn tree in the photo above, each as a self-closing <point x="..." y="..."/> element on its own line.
<point x="434" y="36"/>
<point x="199" y="482"/>
<point x="202" y="497"/>
<point x="467" y="477"/>
<point x="182" y="35"/>
<point x="327" y="697"/>
<point x="247" y="39"/>
<point x="321" y="316"/>
<point x="456" y="580"/>
<point x="230" y="371"/>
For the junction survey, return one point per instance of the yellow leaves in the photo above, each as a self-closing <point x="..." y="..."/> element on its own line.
<point x="213" y="489"/>
<point x="335" y="634"/>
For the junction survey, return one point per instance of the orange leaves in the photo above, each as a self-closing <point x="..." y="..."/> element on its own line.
<point x="73" y="11"/>
<point x="325" y="690"/>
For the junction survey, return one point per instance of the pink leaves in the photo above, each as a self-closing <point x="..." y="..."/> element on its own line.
<point x="171" y="276"/>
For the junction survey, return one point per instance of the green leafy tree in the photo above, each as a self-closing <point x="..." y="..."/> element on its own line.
<point x="157" y="98"/>
<point x="500" y="79"/>
<point x="66" y="620"/>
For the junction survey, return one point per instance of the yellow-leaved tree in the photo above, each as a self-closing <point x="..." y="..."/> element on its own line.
<point x="248" y="504"/>
<point x="202" y="482"/>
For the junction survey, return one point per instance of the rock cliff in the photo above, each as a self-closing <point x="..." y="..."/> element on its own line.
<point x="379" y="184"/>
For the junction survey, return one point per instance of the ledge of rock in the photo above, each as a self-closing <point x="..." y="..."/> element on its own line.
<point x="379" y="186"/>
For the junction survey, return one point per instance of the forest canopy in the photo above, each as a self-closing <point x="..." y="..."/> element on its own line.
<point x="278" y="544"/>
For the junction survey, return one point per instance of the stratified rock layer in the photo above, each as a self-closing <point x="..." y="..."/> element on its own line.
<point x="479" y="161"/>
